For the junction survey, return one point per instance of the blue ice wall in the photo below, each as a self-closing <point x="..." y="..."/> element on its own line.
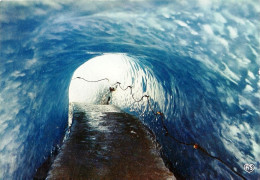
<point x="203" y="55"/>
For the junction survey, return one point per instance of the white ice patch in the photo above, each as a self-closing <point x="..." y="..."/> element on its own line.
<point x="208" y="29"/>
<point x="232" y="32"/>
<point x="31" y="95"/>
<point x="17" y="74"/>
<point x="248" y="88"/>
<point x="183" y="42"/>
<point x="223" y="42"/>
<point x="193" y="32"/>
<point x="30" y="62"/>
<point x="243" y="101"/>
<point x="234" y="130"/>
<point x="251" y="75"/>
<point x="242" y="62"/>
<point x="181" y="23"/>
<point x="205" y="4"/>
<point x="230" y="100"/>
<point x="219" y="18"/>
<point x="248" y="82"/>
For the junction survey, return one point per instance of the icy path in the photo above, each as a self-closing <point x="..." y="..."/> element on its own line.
<point x="106" y="143"/>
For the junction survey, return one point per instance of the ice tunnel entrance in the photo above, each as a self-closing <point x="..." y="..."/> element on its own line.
<point x="116" y="68"/>
<point x="108" y="68"/>
<point x="101" y="131"/>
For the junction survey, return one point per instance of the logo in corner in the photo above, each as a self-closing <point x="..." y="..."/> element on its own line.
<point x="249" y="168"/>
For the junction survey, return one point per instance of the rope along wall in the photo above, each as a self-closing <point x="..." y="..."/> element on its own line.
<point x="195" y="146"/>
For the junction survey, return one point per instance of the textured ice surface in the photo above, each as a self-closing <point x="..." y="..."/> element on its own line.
<point x="199" y="60"/>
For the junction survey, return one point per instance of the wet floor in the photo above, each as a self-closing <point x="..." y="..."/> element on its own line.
<point x="106" y="143"/>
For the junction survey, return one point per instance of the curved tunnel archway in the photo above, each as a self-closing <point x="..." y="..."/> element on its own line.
<point x="202" y="57"/>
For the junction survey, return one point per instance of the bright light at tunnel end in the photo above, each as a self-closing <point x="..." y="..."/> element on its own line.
<point x="111" y="66"/>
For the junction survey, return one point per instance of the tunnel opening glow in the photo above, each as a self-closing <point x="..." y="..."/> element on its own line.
<point x="110" y="69"/>
<point x="114" y="67"/>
